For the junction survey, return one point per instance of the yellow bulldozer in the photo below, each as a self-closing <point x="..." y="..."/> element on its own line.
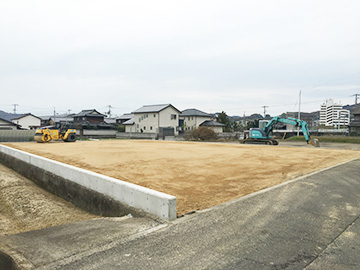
<point x="46" y="134"/>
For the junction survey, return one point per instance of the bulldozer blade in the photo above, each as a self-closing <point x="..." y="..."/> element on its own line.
<point x="315" y="142"/>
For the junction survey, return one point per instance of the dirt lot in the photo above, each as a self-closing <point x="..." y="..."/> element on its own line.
<point x="24" y="206"/>
<point x="200" y="175"/>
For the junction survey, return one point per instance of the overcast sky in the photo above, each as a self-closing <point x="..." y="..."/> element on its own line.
<point x="233" y="56"/>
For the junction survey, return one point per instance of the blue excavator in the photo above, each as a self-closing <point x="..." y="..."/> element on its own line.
<point x="263" y="135"/>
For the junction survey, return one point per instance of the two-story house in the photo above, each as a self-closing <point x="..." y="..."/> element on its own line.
<point x="88" y="116"/>
<point x="162" y="119"/>
<point x="22" y="121"/>
<point x="191" y="119"/>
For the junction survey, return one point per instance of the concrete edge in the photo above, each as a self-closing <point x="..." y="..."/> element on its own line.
<point x="219" y="206"/>
<point x="10" y="259"/>
<point x="147" y="200"/>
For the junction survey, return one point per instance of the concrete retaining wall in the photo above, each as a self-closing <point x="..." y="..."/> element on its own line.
<point x="136" y="135"/>
<point x="97" y="133"/>
<point x="92" y="191"/>
<point x="16" y="135"/>
<point x="6" y="262"/>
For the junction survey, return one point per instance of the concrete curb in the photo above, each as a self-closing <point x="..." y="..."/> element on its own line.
<point x="150" y="201"/>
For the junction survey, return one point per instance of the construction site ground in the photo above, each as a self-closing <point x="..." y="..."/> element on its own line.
<point x="200" y="175"/>
<point x="311" y="222"/>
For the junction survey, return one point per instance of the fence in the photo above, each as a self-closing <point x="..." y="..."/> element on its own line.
<point x="17" y="135"/>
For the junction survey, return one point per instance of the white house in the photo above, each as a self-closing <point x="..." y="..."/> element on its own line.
<point x="191" y="119"/>
<point x="23" y="121"/>
<point x="161" y="119"/>
<point x="333" y="114"/>
<point x="129" y="125"/>
<point x="215" y="126"/>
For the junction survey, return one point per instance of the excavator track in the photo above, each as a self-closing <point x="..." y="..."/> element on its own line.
<point x="259" y="141"/>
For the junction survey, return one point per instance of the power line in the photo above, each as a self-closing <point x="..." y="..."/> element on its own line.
<point x="331" y="81"/>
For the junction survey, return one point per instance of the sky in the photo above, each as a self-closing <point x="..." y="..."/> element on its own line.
<point x="233" y="56"/>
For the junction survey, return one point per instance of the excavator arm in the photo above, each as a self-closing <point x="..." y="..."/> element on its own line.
<point x="295" y="122"/>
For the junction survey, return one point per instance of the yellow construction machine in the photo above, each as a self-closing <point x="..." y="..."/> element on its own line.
<point x="46" y="134"/>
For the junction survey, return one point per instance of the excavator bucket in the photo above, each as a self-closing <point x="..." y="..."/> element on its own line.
<point x="315" y="142"/>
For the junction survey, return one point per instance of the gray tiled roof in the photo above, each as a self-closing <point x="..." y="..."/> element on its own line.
<point x="88" y="113"/>
<point x="58" y="117"/>
<point x="12" y="116"/>
<point x="110" y="120"/>
<point x="129" y="122"/>
<point x="153" y="108"/>
<point x="8" y="116"/>
<point x="7" y="121"/>
<point x="195" y="112"/>
<point x="125" y="116"/>
<point x="211" y="123"/>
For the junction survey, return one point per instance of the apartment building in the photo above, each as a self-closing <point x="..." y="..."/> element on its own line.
<point x="333" y="114"/>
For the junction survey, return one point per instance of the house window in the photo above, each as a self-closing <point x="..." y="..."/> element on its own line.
<point x="173" y="117"/>
<point x="150" y="127"/>
<point x="144" y="128"/>
<point x="137" y="125"/>
<point x="189" y="118"/>
<point x="154" y="115"/>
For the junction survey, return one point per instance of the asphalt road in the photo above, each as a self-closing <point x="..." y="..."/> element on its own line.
<point x="310" y="223"/>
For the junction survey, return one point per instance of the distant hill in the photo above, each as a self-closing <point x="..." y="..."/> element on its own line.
<point x="351" y="108"/>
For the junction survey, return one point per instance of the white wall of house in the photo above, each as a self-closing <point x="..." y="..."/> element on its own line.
<point x="169" y="117"/>
<point x="146" y="122"/>
<point x="130" y="128"/>
<point x="217" y="129"/>
<point x="151" y="121"/>
<point x="28" y="121"/>
<point x="193" y="122"/>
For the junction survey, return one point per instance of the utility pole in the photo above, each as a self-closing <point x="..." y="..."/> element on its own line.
<point x="109" y="112"/>
<point x="15" y="107"/>
<point x="298" y="131"/>
<point x="265" y="110"/>
<point x="356" y="97"/>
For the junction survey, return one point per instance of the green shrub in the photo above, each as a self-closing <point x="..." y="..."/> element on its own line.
<point x="121" y="128"/>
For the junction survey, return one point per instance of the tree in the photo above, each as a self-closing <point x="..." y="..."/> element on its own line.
<point x="224" y="119"/>
<point x="253" y="124"/>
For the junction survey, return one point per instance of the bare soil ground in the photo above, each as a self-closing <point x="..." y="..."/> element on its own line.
<point x="200" y="175"/>
<point x="25" y="206"/>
